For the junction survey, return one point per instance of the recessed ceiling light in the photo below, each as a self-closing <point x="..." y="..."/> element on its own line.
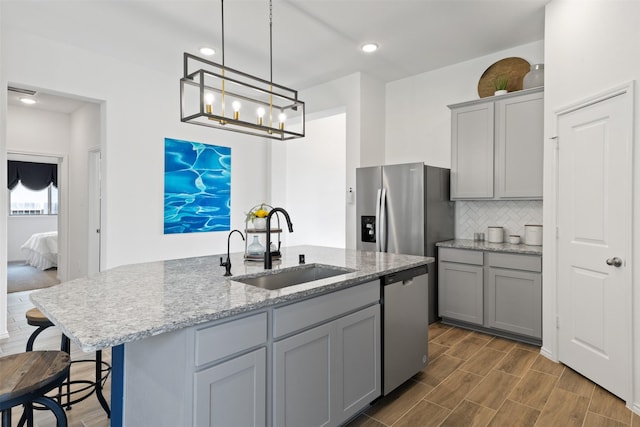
<point x="207" y="51"/>
<point x="28" y="101"/>
<point x="369" y="47"/>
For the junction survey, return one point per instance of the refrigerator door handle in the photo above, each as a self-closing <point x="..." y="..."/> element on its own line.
<point x="378" y="199"/>
<point x="383" y="221"/>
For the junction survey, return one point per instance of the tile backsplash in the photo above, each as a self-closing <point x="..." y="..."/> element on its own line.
<point x="475" y="216"/>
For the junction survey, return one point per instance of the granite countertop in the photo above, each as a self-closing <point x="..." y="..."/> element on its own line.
<point x="136" y="301"/>
<point x="491" y="247"/>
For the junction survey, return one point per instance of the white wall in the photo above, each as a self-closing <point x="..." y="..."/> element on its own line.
<point x="141" y="109"/>
<point x="347" y="93"/>
<point x="84" y="134"/>
<point x="315" y="172"/>
<point x="590" y="47"/>
<point x="20" y="228"/>
<point x="418" y="122"/>
<point x="3" y="202"/>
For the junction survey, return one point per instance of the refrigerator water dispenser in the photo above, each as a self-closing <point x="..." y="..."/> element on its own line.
<point x="368" y="228"/>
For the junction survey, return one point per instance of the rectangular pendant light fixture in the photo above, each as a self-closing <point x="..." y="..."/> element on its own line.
<point x="217" y="96"/>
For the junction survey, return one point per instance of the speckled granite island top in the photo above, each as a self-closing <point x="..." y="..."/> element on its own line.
<point x="132" y="302"/>
<point x="491" y="247"/>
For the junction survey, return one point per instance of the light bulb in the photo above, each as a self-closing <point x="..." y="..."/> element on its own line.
<point x="260" y="112"/>
<point x="208" y="99"/>
<point x="236" y="109"/>
<point x="282" y="117"/>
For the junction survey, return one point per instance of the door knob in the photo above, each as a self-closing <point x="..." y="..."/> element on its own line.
<point x="615" y="261"/>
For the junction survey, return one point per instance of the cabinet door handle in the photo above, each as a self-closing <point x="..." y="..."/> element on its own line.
<point x="615" y="261"/>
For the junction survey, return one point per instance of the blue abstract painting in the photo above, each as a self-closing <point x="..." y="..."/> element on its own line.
<point x="197" y="187"/>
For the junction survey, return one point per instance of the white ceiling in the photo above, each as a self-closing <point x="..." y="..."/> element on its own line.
<point x="313" y="40"/>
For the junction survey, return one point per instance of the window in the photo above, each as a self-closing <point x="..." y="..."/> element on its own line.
<point x="33" y="188"/>
<point x="23" y="201"/>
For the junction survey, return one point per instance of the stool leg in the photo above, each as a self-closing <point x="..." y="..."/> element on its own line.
<point x="27" y="415"/>
<point x="6" y="418"/>
<point x="65" y="345"/>
<point x="61" y="417"/>
<point x="33" y="337"/>
<point x="99" y="394"/>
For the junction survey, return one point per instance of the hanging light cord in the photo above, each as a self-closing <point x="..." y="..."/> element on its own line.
<point x="270" y="42"/>
<point x="222" y="17"/>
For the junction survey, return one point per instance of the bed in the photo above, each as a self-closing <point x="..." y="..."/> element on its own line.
<point x="41" y="250"/>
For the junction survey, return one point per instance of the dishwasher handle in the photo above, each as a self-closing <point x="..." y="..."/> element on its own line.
<point x="405" y="275"/>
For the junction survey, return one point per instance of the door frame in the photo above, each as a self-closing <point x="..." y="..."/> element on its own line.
<point x="552" y="318"/>
<point x="62" y="161"/>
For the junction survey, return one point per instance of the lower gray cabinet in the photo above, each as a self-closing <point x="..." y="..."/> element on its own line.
<point x="460" y="285"/>
<point x="493" y="292"/>
<point x="514" y="294"/>
<point x="232" y="393"/>
<point x="359" y="350"/>
<point x="303" y="366"/>
<point x="325" y="375"/>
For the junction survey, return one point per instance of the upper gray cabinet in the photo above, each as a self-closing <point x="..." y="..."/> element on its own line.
<point x="497" y="147"/>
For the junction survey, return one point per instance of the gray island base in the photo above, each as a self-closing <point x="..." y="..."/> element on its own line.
<point x="191" y="347"/>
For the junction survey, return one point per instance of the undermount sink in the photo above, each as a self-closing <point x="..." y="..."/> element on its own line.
<point x="273" y="280"/>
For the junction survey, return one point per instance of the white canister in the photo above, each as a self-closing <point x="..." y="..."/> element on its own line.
<point x="495" y="234"/>
<point x="533" y="235"/>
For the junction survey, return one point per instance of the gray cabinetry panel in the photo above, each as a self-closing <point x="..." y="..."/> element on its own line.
<point x="302" y="378"/>
<point x="358" y="340"/>
<point x="472" y="152"/>
<point x="519" y="146"/>
<point x="294" y="317"/>
<point x="222" y="340"/>
<point x="514" y="301"/>
<point x="232" y="393"/>
<point x="502" y="295"/>
<point x="497" y="147"/>
<point x="460" y="293"/>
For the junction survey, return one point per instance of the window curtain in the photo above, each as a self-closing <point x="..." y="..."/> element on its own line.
<point x="34" y="176"/>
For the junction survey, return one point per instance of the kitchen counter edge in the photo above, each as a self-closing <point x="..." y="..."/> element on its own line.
<point x="491" y="247"/>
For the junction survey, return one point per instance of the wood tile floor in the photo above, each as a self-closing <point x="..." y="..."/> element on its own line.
<point x="472" y="380"/>
<point x="475" y="379"/>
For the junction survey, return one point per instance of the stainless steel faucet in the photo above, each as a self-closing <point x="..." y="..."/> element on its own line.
<point x="267" y="252"/>
<point x="227" y="264"/>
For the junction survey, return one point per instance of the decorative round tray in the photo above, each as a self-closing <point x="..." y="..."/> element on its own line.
<point x="512" y="68"/>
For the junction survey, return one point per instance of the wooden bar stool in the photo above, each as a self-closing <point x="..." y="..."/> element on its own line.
<point x="102" y="369"/>
<point x="25" y="378"/>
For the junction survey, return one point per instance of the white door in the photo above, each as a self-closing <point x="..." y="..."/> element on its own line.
<point x="594" y="243"/>
<point x="94" y="213"/>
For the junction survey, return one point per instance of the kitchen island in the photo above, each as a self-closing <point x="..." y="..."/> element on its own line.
<point x="173" y="325"/>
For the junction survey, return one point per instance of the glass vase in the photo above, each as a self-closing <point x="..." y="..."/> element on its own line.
<point x="255" y="248"/>
<point x="534" y="78"/>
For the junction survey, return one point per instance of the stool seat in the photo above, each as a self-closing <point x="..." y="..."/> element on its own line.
<point x="36" y="318"/>
<point x="26" y="377"/>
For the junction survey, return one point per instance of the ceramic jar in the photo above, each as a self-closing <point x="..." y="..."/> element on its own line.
<point x="495" y="234"/>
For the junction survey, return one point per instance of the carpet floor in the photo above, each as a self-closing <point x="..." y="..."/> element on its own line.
<point x="23" y="277"/>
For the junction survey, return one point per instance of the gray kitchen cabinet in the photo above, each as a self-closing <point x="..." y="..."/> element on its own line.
<point x="460" y="285"/>
<point x="493" y="292"/>
<point x="514" y="293"/>
<point x="519" y="148"/>
<point x="302" y="378"/>
<point x="324" y="375"/>
<point x="497" y="147"/>
<point x="472" y="151"/>
<point x="232" y="393"/>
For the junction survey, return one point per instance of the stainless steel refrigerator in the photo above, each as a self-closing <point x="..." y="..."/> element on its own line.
<point x="405" y="209"/>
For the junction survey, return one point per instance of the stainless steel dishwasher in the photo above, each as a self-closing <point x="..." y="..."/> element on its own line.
<point x="405" y="326"/>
